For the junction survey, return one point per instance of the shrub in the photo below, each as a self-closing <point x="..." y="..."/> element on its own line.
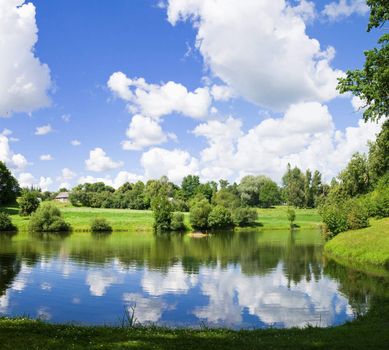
<point x="163" y="212"/>
<point x="199" y="212"/>
<point x="5" y="222"/>
<point x="100" y="225"/>
<point x="220" y="217"/>
<point x="177" y="223"/>
<point x="334" y="217"/>
<point x="28" y="203"/>
<point x="291" y="215"/>
<point x="48" y="218"/>
<point x="244" y="216"/>
<point x="357" y="214"/>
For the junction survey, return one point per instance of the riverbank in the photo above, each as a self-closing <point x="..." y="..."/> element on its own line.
<point x="367" y="332"/>
<point x="367" y="248"/>
<point x="142" y="220"/>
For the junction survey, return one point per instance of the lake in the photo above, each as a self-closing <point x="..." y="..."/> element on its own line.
<point x="253" y="279"/>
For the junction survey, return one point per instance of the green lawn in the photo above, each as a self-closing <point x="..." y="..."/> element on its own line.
<point x="140" y="220"/>
<point x="368" y="332"/>
<point x="367" y="246"/>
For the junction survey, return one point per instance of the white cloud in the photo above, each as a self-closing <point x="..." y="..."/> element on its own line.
<point x="24" y="79"/>
<point x="14" y="160"/>
<point x="305" y="136"/>
<point x="99" y="282"/>
<point x="66" y="175"/>
<point x="144" y="132"/>
<point x="98" y="161"/>
<point x="174" y="164"/>
<point x="154" y="101"/>
<point x="345" y="8"/>
<point x="221" y="92"/>
<point x="28" y="180"/>
<point x="274" y="62"/>
<point x="43" y="130"/>
<point x="121" y="178"/>
<point x="75" y="143"/>
<point x="357" y="103"/>
<point x="46" y="157"/>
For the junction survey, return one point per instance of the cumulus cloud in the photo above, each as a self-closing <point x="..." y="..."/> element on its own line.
<point x="14" y="160"/>
<point x="66" y="176"/>
<point x="46" y="157"/>
<point x="175" y="164"/>
<point x="75" y="143"/>
<point x="121" y="178"/>
<point x="274" y="62"/>
<point x="99" y="161"/>
<point x="337" y="10"/>
<point x="28" y="180"/>
<point x="305" y="136"/>
<point x="43" y="130"/>
<point x="154" y="100"/>
<point x="24" y="81"/>
<point x="144" y="132"/>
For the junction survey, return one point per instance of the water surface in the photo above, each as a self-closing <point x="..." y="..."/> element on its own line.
<point x="238" y="280"/>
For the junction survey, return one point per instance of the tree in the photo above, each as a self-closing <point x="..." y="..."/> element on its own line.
<point x="371" y="84"/>
<point x="294" y="181"/>
<point x="244" y="216"/>
<point x="199" y="213"/>
<point x="190" y="185"/>
<point x="269" y="194"/>
<point x="28" y="203"/>
<point x="5" y="222"/>
<point x="291" y="215"/>
<point x="354" y="180"/>
<point x="47" y="218"/>
<point x="378" y="161"/>
<point x="308" y="190"/>
<point x="227" y="197"/>
<point x="317" y="187"/>
<point x="220" y="217"/>
<point x="9" y="187"/>
<point x="163" y="212"/>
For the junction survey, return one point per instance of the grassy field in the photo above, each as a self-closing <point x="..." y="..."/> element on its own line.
<point x="367" y="332"/>
<point x="141" y="220"/>
<point x="365" y="246"/>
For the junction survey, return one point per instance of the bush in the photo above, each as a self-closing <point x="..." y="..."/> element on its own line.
<point x="291" y="215"/>
<point x="48" y="218"/>
<point x="5" y="222"/>
<point x="220" y="217"/>
<point x="100" y="225"/>
<point x="199" y="212"/>
<point x="28" y="203"/>
<point x="244" y="216"/>
<point x="177" y="223"/>
<point x="163" y="212"/>
<point x="357" y="214"/>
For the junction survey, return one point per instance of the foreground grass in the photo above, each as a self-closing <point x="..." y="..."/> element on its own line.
<point x="367" y="246"/>
<point x="142" y="220"/>
<point x="368" y="332"/>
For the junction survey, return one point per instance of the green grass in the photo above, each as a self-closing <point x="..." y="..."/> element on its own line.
<point x="367" y="332"/>
<point x="142" y="220"/>
<point x="367" y="246"/>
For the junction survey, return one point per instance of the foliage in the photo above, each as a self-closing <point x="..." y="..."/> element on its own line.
<point x="378" y="161"/>
<point x="259" y="191"/>
<point x="28" y="203"/>
<point x="100" y="225"/>
<point x="48" y="218"/>
<point x="177" y="223"/>
<point x="163" y="211"/>
<point x="5" y="222"/>
<point x="371" y="84"/>
<point x="377" y="201"/>
<point x="294" y="182"/>
<point x="227" y="197"/>
<point x="220" y="217"/>
<point x="291" y="215"/>
<point x="244" y="216"/>
<point x="9" y="187"/>
<point x="199" y="213"/>
<point x="190" y="185"/>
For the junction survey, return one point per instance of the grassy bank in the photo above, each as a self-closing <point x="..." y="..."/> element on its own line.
<point x="368" y="332"/>
<point x="364" y="247"/>
<point x="140" y="220"/>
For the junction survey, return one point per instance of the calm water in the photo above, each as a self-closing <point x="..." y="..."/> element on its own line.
<point x="252" y="279"/>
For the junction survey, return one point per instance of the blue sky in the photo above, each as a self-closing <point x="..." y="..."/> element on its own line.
<point x="148" y="88"/>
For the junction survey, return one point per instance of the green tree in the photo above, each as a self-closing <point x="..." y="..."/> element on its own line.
<point x="163" y="212"/>
<point x="220" y="217"/>
<point x="28" y="203"/>
<point x="371" y="84"/>
<point x="244" y="216"/>
<point x="269" y="194"/>
<point x="308" y="190"/>
<point x="354" y="179"/>
<point x="9" y="187"/>
<point x="294" y="181"/>
<point x="190" y="185"/>
<point x="5" y="222"/>
<point x="47" y="218"/>
<point x="291" y="215"/>
<point x="317" y="187"/>
<point x="199" y="213"/>
<point x="378" y="161"/>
